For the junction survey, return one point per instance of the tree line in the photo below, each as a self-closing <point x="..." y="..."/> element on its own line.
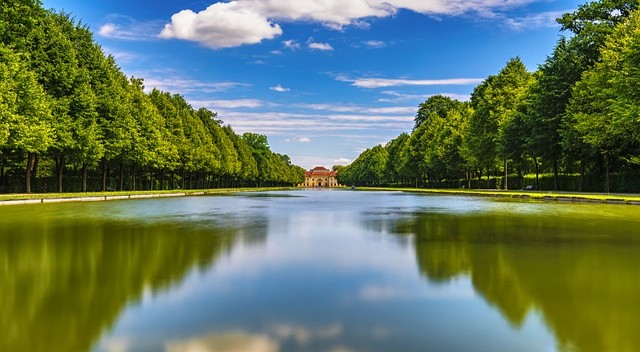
<point x="574" y="124"/>
<point x="71" y="120"/>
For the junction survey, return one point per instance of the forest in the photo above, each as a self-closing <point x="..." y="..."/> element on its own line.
<point x="572" y="125"/>
<point x="71" y="120"/>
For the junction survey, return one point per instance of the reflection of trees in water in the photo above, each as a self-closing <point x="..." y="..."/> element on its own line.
<point x="62" y="285"/>
<point x="583" y="276"/>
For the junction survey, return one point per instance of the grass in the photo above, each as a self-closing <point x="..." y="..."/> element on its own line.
<point x="532" y="195"/>
<point x="32" y="196"/>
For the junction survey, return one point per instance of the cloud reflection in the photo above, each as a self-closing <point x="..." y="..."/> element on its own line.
<point x="304" y="335"/>
<point x="227" y="342"/>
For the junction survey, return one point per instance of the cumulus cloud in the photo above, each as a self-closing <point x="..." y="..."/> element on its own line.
<point x="239" y="22"/>
<point x="304" y="139"/>
<point x="394" y="82"/>
<point x="320" y="46"/>
<point x="280" y="89"/>
<point x="222" y="25"/>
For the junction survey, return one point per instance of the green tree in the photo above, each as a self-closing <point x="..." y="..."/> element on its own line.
<point x="494" y="103"/>
<point x="437" y="105"/>
<point x="605" y="104"/>
<point x="25" y="113"/>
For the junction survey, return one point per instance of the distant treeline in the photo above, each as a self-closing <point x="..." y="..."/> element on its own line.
<point x="71" y="120"/>
<point x="577" y="119"/>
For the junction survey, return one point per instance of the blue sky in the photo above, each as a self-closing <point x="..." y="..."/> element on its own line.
<point x="323" y="79"/>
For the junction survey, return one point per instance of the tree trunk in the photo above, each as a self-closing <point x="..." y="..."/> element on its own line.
<point x="520" y="178"/>
<point x="506" y="175"/>
<point x="606" y="168"/>
<point x="121" y="177"/>
<point x="183" y="179"/>
<point x="581" y="181"/>
<point x="555" y="175"/>
<point x="2" y="177"/>
<point x="488" y="173"/>
<point x="469" y="178"/>
<point x="60" y="163"/>
<point x="162" y="180"/>
<point x="535" y="161"/>
<point x="30" y="163"/>
<point x="84" y="177"/>
<point x="151" y="181"/>
<point x="104" y="174"/>
<point x="133" y="177"/>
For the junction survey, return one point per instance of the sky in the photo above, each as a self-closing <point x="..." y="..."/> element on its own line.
<point x="322" y="79"/>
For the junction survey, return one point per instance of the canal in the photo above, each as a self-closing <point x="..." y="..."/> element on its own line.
<point x="319" y="270"/>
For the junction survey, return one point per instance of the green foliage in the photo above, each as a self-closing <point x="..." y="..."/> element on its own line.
<point x="577" y="115"/>
<point x="25" y="112"/>
<point x="368" y="170"/>
<point x="605" y="104"/>
<point x="65" y="105"/>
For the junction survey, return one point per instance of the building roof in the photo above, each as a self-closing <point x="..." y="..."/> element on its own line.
<point x="320" y="171"/>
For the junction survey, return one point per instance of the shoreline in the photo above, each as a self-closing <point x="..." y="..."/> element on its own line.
<point x="541" y="196"/>
<point x="47" y="198"/>
<point x="546" y="196"/>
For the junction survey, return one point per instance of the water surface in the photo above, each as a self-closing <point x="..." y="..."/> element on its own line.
<point x="319" y="271"/>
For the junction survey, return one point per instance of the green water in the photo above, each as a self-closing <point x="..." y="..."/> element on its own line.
<point x="319" y="271"/>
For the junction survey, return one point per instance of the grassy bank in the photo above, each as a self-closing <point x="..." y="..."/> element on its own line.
<point x="617" y="198"/>
<point x="7" y="199"/>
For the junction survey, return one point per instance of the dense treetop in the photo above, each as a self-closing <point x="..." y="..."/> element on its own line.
<point x="576" y="118"/>
<point x="67" y="108"/>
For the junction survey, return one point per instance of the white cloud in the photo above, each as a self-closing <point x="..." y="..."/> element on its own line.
<point x="394" y="82"/>
<point x="239" y="22"/>
<point x="280" y="89"/>
<point x="539" y="20"/>
<point x="342" y="161"/>
<point x="374" y="44"/>
<point x="228" y="104"/>
<point x="126" y="28"/>
<point x="304" y="140"/>
<point x="291" y="44"/>
<point x="121" y="56"/>
<point x="400" y="97"/>
<point x="222" y="25"/>
<point x="320" y="46"/>
<point x="355" y="108"/>
<point x="279" y="123"/>
<point x="184" y="86"/>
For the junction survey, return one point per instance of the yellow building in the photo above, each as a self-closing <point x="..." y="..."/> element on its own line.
<point x="320" y="177"/>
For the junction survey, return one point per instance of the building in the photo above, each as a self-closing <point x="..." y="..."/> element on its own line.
<point x="319" y="176"/>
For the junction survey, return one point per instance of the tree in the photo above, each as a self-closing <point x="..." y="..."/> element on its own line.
<point x="495" y="102"/>
<point x="605" y="104"/>
<point x="25" y="112"/>
<point x="546" y="102"/>
<point x="396" y="168"/>
<point x="437" y="105"/>
<point x="593" y="22"/>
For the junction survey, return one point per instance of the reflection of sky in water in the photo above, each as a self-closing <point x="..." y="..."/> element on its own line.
<point x="326" y="279"/>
